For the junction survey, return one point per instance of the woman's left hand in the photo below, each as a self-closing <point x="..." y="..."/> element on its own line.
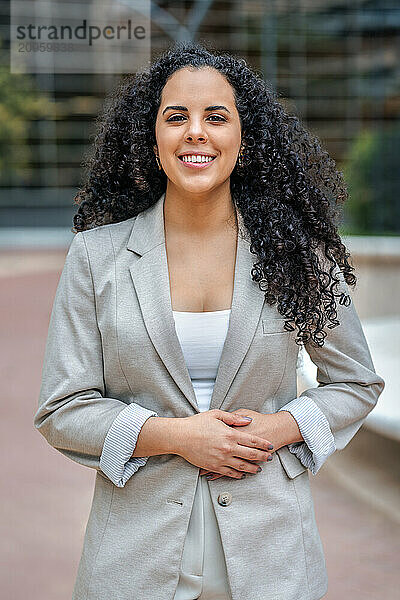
<point x="260" y="425"/>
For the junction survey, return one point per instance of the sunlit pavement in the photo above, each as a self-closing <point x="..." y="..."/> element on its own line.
<point x="46" y="497"/>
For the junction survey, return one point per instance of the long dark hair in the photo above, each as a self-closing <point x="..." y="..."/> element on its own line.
<point x="288" y="190"/>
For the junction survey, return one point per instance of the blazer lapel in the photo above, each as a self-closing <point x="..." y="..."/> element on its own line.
<point x="151" y="281"/>
<point x="247" y="304"/>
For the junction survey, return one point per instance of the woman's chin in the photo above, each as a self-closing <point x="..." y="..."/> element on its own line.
<point x="199" y="181"/>
<point x="198" y="187"/>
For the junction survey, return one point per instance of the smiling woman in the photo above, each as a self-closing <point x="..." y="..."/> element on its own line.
<point x="171" y="354"/>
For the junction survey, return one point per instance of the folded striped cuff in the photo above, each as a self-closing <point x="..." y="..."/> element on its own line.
<point x="116" y="459"/>
<point x="319" y="442"/>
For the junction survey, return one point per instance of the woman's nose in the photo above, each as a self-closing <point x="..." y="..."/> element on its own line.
<point x="191" y="138"/>
<point x="195" y="132"/>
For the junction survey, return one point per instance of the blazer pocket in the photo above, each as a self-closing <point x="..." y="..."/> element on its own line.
<point x="274" y="326"/>
<point x="291" y="464"/>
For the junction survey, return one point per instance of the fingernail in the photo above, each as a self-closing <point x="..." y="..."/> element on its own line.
<point x="270" y="447"/>
<point x="209" y="476"/>
<point x="243" y="476"/>
<point x="270" y="458"/>
<point x="246" y="418"/>
<point x="259" y="469"/>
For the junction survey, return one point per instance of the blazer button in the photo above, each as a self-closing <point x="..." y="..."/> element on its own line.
<point x="225" y="499"/>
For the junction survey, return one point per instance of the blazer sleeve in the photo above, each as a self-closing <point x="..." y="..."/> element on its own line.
<point x="73" y="415"/>
<point x="330" y="414"/>
<point x="319" y="442"/>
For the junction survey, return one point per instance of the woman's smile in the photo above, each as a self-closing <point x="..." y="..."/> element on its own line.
<point x="196" y="161"/>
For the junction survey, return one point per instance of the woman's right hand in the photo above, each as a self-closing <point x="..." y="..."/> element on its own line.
<point x="208" y="440"/>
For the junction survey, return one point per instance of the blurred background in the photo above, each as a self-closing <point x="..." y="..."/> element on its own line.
<point x="336" y="64"/>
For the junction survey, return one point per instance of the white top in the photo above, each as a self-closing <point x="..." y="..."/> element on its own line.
<point x="202" y="337"/>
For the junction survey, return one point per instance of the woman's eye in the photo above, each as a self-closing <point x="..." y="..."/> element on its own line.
<point x="171" y="119"/>
<point x="217" y="116"/>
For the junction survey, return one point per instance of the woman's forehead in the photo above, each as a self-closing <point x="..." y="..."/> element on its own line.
<point x="198" y="86"/>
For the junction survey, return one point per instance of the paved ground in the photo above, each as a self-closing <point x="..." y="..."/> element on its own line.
<point x="46" y="497"/>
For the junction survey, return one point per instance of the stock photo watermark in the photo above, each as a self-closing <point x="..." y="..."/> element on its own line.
<point x="79" y="37"/>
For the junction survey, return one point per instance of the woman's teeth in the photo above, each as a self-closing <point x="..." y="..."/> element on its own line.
<point x="196" y="158"/>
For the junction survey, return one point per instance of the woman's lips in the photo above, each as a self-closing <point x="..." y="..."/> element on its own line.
<point x="196" y="165"/>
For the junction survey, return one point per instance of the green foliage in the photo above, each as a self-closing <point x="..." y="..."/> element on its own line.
<point x="20" y="104"/>
<point x="372" y="173"/>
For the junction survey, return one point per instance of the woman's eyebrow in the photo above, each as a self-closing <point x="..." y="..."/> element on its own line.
<point x="208" y="108"/>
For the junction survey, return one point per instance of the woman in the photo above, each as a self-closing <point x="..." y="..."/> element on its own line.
<point x="161" y="312"/>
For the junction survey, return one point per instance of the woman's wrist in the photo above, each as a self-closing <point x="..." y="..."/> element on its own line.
<point x="284" y="429"/>
<point x="159" y="435"/>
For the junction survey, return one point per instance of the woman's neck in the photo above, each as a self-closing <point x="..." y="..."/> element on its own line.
<point x="199" y="216"/>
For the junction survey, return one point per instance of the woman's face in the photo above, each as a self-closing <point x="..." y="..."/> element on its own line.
<point x="197" y="115"/>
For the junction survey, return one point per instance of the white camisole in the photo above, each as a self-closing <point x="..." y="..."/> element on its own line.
<point x="202" y="337"/>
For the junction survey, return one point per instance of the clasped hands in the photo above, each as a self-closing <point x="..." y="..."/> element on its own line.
<point x="263" y="426"/>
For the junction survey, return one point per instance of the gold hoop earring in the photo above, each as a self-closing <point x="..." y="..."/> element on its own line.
<point x="240" y="161"/>
<point x="158" y="162"/>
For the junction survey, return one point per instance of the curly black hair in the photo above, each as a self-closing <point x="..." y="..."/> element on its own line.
<point x="288" y="190"/>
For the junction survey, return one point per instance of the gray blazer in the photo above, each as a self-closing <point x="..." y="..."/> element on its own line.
<point x="112" y="341"/>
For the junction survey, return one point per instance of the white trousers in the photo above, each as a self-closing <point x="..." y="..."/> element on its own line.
<point x="203" y="573"/>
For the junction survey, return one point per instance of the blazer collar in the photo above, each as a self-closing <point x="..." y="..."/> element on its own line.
<point x="151" y="281"/>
